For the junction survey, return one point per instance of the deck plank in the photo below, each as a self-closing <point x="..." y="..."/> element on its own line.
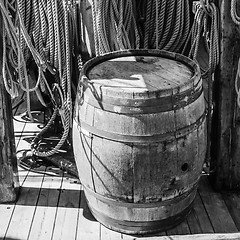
<point x="180" y="229"/>
<point x="198" y="219"/>
<point x="218" y="213"/>
<point x="6" y="211"/>
<point x="88" y="228"/>
<point x="232" y="201"/>
<point x="53" y="206"/>
<point x="25" y="207"/>
<point x="193" y="224"/>
<point x="44" y="217"/>
<point x="128" y="237"/>
<point x="19" y="127"/>
<point x="108" y="234"/>
<point x="68" y="210"/>
<point x="226" y="236"/>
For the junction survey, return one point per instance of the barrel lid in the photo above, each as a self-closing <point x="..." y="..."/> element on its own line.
<point x="142" y="71"/>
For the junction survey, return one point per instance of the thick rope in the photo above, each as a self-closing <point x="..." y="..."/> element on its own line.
<point x="236" y="20"/>
<point x="206" y="22"/>
<point x="234" y="13"/>
<point x="162" y="24"/>
<point x="46" y="33"/>
<point x="166" y="24"/>
<point x="119" y="33"/>
<point x="65" y="110"/>
<point x="8" y="37"/>
<point x="203" y="19"/>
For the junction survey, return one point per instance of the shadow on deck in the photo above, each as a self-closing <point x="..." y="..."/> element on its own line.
<point x="52" y="205"/>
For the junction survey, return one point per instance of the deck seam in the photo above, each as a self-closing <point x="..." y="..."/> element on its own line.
<point x="35" y="208"/>
<point x="55" y="217"/>
<point x="206" y="211"/>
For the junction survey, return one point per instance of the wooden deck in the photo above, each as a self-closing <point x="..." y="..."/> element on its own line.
<point x="52" y="205"/>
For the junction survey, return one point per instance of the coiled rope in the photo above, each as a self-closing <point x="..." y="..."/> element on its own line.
<point x="234" y="14"/>
<point x="114" y="25"/>
<point x="57" y="60"/>
<point x="10" y="38"/>
<point x="206" y="26"/>
<point x="236" y="20"/>
<point x="140" y="24"/>
<point x="41" y="31"/>
<point x="166" y="25"/>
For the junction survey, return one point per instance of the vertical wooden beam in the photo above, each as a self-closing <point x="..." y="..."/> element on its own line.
<point x="87" y="44"/>
<point x="225" y="165"/>
<point x="8" y="159"/>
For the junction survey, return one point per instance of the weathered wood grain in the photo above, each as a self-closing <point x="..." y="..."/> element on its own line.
<point x="225" y="165"/>
<point x="198" y="220"/>
<point x="24" y="210"/>
<point x="233" y="236"/>
<point x="85" y="21"/>
<point x="232" y="200"/>
<point x="66" y="221"/>
<point x="108" y="234"/>
<point x="88" y="227"/>
<point x="130" y="151"/>
<point x="216" y="208"/>
<point x="6" y="210"/>
<point x="180" y="229"/>
<point x="8" y="161"/>
<point x="45" y="213"/>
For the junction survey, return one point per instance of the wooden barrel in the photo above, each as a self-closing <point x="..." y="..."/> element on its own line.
<point x="139" y="138"/>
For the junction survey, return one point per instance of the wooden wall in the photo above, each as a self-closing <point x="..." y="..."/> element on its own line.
<point x="225" y="162"/>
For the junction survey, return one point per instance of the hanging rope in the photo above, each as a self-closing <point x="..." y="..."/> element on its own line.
<point x="40" y="32"/>
<point x="206" y="26"/>
<point x="59" y="47"/>
<point x="118" y="33"/>
<point x="234" y="14"/>
<point x="140" y="24"/>
<point x="236" y="20"/>
<point x="167" y="24"/>
<point x="11" y="47"/>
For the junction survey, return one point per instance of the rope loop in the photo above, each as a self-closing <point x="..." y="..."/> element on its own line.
<point x="237" y="87"/>
<point x="234" y="13"/>
<point x="206" y="6"/>
<point x="39" y="38"/>
<point x="236" y="20"/>
<point x="206" y="25"/>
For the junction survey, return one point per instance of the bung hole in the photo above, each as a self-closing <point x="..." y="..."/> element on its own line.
<point x="185" y="167"/>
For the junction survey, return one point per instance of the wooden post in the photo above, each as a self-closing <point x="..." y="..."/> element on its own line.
<point x="85" y="21"/>
<point x="225" y="165"/>
<point x="8" y="159"/>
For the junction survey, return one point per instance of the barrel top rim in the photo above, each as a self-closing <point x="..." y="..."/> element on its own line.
<point x="189" y="63"/>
